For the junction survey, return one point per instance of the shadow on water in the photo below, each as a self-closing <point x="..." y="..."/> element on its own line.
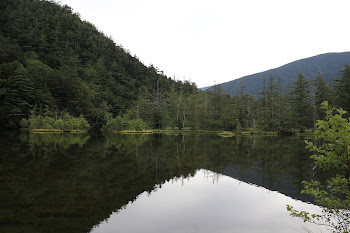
<point x="69" y="183"/>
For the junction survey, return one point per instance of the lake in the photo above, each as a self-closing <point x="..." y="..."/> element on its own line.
<point x="153" y="183"/>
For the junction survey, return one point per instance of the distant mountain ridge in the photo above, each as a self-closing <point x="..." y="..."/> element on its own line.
<point x="329" y="64"/>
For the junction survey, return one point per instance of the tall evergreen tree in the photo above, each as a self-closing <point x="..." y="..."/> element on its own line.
<point x="342" y="89"/>
<point x="19" y="97"/>
<point x="269" y="105"/>
<point x="321" y="93"/>
<point x="300" y="103"/>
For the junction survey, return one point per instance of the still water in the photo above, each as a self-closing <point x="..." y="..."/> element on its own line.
<point x="152" y="183"/>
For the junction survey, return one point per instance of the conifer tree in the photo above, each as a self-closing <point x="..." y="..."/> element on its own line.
<point x="300" y="104"/>
<point x="320" y="94"/>
<point x="342" y="89"/>
<point x="17" y="102"/>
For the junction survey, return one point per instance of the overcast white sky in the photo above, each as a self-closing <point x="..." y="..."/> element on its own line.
<point x="215" y="41"/>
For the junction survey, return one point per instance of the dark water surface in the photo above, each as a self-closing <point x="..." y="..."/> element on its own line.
<point x="151" y="183"/>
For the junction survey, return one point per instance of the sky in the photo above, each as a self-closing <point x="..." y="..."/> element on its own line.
<point x="210" y="42"/>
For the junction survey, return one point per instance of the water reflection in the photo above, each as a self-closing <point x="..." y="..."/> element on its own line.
<point x="208" y="202"/>
<point x="70" y="183"/>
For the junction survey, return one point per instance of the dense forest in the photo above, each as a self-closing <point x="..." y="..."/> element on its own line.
<point x="293" y="110"/>
<point x="56" y="67"/>
<point x="53" y="63"/>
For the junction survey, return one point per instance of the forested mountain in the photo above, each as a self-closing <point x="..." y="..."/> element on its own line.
<point x="52" y="62"/>
<point x="329" y="64"/>
<point x="59" y="72"/>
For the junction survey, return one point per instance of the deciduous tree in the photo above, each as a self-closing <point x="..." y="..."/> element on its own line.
<point x="333" y="155"/>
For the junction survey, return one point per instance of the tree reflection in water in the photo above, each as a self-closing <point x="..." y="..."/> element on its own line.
<point x="70" y="183"/>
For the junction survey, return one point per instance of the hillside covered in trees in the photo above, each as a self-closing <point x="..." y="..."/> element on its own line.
<point x="52" y="62"/>
<point x="57" y="70"/>
<point x="329" y="64"/>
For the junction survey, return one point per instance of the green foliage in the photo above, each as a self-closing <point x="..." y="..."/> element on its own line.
<point x="342" y="89"/>
<point x="272" y="106"/>
<point x="24" y="123"/>
<point x="123" y="123"/>
<point x="332" y="155"/>
<point x="19" y="96"/>
<point x="137" y="125"/>
<point x="300" y="103"/>
<point x="50" y="57"/>
<point x="66" y="123"/>
<point x="322" y="92"/>
<point x="117" y="123"/>
<point x="215" y="110"/>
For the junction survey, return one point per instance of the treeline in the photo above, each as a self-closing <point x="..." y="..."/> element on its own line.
<point x="50" y="58"/>
<point x="294" y="110"/>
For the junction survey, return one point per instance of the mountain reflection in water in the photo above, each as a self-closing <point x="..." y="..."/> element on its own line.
<point x="73" y="183"/>
<point x="208" y="202"/>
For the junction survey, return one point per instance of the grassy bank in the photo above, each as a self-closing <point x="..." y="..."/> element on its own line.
<point x="218" y="132"/>
<point x="55" y="131"/>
